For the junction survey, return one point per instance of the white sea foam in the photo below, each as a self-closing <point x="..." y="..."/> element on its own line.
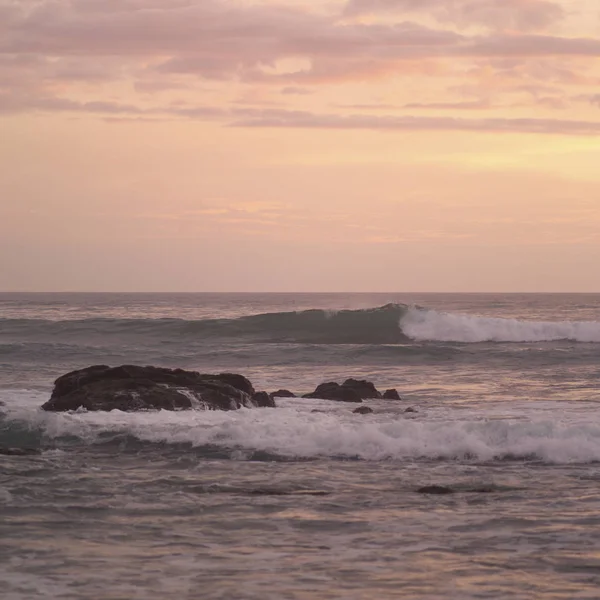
<point x="431" y="325"/>
<point x="292" y="430"/>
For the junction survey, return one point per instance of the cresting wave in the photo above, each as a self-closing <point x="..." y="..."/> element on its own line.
<point x="389" y="324"/>
<point x="431" y="325"/>
<point x="293" y="432"/>
<point x="369" y="326"/>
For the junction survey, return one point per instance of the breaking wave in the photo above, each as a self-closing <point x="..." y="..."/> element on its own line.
<point x="389" y="324"/>
<point x="294" y="432"/>
<point x="431" y="325"/>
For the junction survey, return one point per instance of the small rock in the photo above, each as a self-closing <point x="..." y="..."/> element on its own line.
<point x="484" y="489"/>
<point x="263" y="400"/>
<point x="363" y="410"/>
<point x="283" y="394"/>
<point x="335" y="391"/>
<point x="410" y="409"/>
<point x="365" y="389"/>
<point x="391" y="395"/>
<point x="439" y="490"/>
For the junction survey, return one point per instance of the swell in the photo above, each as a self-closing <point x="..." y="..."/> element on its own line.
<point x="370" y="326"/>
<point x="389" y="324"/>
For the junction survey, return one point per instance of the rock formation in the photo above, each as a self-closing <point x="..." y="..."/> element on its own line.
<point x="133" y="388"/>
<point x="365" y="389"/>
<point x="282" y="394"/>
<point x="335" y="391"/>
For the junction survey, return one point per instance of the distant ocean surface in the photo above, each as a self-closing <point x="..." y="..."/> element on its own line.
<point x="307" y="500"/>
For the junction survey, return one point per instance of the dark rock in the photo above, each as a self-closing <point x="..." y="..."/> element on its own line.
<point x="391" y="395"/>
<point x="132" y="388"/>
<point x="410" y="409"/>
<point x="19" y="451"/>
<point x="484" y="489"/>
<point x="283" y="394"/>
<point x="334" y="391"/>
<point x="263" y="400"/>
<point x="233" y="379"/>
<point x="365" y="389"/>
<point x="363" y="410"/>
<point x="439" y="490"/>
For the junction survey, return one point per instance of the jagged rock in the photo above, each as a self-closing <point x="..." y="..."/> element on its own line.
<point x="435" y="489"/>
<point x="233" y="379"/>
<point x="263" y="400"/>
<point x="363" y="410"/>
<point x="283" y="394"/>
<point x="132" y="388"/>
<point x="365" y="389"/>
<point x="334" y="391"/>
<point x="391" y="395"/>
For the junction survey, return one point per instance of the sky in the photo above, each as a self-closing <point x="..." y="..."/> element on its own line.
<point x="334" y="145"/>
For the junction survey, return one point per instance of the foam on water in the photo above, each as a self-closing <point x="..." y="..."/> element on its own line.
<point x="293" y="431"/>
<point x="431" y="325"/>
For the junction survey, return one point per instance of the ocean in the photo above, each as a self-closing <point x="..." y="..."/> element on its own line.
<point x="307" y="500"/>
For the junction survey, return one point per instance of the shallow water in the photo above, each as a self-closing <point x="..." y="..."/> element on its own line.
<point x="291" y="503"/>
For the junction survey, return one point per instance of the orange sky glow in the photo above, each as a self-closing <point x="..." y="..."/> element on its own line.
<point x="343" y="145"/>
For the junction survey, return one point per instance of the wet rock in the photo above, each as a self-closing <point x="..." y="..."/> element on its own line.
<point x="439" y="490"/>
<point x="283" y="394"/>
<point x="335" y="391"/>
<point x="410" y="409"/>
<point x="263" y="400"/>
<point x="234" y="380"/>
<point x="362" y="410"/>
<point x="484" y="489"/>
<point x="5" y="450"/>
<point x="134" y="388"/>
<point x="365" y="389"/>
<point x="391" y="395"/>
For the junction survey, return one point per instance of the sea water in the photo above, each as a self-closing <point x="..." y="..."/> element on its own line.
<point x="307" y="500"/>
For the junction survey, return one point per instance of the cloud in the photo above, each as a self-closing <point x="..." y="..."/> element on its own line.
<point x="465" y="105"/>
<point x="417" y="123"/>
<point x="295" y="91"/>
<point x="524" y="46"/>
<point x="64" y="55"/>
<point x="519" y="15"/>
<point x="296" y="119"/>
<point x="221" y="40"/>
<point x="14" y="103"/>
<point x="593" y="99"/>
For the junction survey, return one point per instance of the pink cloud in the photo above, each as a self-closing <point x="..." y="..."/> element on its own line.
<point x="308" y="120"/>
<point x="49" y="48"/>
<point x="520" y="15"/>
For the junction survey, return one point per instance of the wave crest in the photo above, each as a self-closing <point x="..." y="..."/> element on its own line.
<point x="430" y="325"/>
<point x="292" y="432"/>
